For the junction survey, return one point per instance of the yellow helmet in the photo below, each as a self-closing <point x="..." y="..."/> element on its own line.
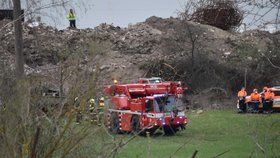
<point x="91" y="100"/>
<point x="115" y="81"/>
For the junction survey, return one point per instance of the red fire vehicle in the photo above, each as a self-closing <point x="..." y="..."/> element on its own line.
<point x="146" y="107"/>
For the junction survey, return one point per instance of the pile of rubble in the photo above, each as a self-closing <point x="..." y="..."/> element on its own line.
<point x="42" y="43"/>
<point x="127" y="49"/>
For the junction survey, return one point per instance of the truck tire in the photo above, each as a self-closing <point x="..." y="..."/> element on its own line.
<point x="169" y="130"/>
<point x="135" y="124"/>
<point x="115" y="128"/>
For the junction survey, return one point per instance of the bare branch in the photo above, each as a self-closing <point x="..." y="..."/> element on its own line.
<point x="180" y="147"/>
<point x="35" y="143"/>
<point x="221" y="154"/>
<point x="260" y="147"/>
<point x="273" y="65"/>
<point x="195" y="153"/>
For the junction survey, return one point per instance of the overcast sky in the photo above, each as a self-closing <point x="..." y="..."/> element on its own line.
<point x="120" y="13"/>
<point x="91" y="13"/>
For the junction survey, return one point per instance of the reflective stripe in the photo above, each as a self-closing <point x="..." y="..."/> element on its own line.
<point x="124" y="111"/>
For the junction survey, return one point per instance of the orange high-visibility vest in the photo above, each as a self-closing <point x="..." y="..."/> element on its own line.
<point x="266" y="95"/>
<point x="269" y="95"/>
<point x="255" y="97"/>
<point x="242" y="93"/>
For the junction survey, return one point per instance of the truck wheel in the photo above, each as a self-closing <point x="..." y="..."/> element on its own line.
<point x="169" y="130"/>
<point x="115" y="128"/>
<point x="135" y="124"/>
<point x="153" y="130"/>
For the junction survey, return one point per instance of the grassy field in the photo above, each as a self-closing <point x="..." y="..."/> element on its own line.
<point x="213" y="133"/>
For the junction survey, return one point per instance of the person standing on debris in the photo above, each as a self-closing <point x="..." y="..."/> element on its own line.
<point x="72" y="19"/>
<point x="268" y="101"/>
<point x="241" y="99"/>
<point x="92" y="111"/>
<point x="100" y="109"/>
<point x="78" y="110"/>
<point x="255" y="100"/>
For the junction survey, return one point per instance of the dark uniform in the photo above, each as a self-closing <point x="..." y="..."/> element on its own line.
<point x="100" y="111"/>
<point x="78" y="110"/>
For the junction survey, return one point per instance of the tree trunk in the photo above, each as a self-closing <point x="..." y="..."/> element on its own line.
<point x="18" y="38"/>
<point x="61" y="82"/>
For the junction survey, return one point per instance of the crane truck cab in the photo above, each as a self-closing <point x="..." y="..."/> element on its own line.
<point x="152" y="80"/>
<point x="166" y="111"/>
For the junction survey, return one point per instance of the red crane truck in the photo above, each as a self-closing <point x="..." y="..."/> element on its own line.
<point x="146" y="107"/>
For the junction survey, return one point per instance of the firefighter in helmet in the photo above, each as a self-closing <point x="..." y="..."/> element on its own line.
<point x="78" y="110"/>
<point x="92" y="111"/>
<point x="100" y="110"/>
<point x="114" y="86"/>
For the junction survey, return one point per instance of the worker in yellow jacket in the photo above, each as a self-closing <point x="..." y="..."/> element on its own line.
<point x="72" y="18"/>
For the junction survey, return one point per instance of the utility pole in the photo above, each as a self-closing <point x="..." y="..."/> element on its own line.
<point x="18" y="38"/>
<point x="245" y="78"/>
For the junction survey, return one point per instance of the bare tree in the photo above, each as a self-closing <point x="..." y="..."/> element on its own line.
<point x="219" y="13"/>
<point x="256" y="13"/>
